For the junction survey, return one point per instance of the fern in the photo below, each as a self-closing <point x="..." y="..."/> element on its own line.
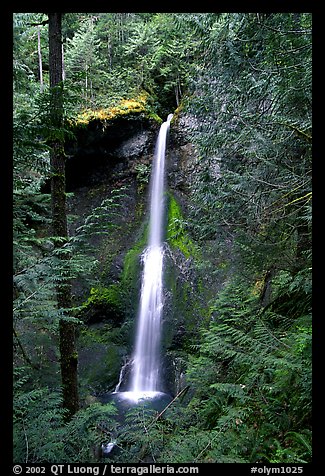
<point x="41" y="433"/>
<point x="250" y="374"/>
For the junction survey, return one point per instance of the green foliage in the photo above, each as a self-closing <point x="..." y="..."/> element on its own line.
<point x="25" y="58"/>
<point x="100" y="221"/>
<point x="83" y="64"/>
<point x="41" y="434"/>
<point x="260" y="133"/>
<point x="143" y="175"/>
<point x="141" y="439"/>
<point x="253" y="377"/>
<point x="36" y="313"/>
<point x="252" y="368"/>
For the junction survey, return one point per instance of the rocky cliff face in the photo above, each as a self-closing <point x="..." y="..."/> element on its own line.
<point x="104" y="158"/>
<point x="106" y="150"/>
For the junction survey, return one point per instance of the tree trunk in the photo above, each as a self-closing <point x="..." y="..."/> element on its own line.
<point x="68" y="354"/>
<point x="40" y="57"/>
<point x="303" y="245"/>
<point x="63" y="68"/>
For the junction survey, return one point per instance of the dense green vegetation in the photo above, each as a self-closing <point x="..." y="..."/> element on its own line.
<point x="243" y="82"/>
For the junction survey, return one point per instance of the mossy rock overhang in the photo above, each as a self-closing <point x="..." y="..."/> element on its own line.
<point x="102" y="147"/>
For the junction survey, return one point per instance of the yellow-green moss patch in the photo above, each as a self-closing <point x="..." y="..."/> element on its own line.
<point x="177" y="235"/>
<point x="125" y="106"/>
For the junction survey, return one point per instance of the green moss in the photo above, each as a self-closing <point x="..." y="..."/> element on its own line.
<point x="155" y="117"/>
<point x="104" y="296"/>
<point x="223" y="265"/>
<point x="140" y="104"/>
<point x="177" y="113"/>
<point x="107" y="301"/>
<point x="124" y="107"/>
<point x="131" y="260"/>
<point x="177" y="235"/>
<point x="130" y="276"/>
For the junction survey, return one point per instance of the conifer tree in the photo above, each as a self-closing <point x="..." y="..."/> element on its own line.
<point x="59" y="217"/>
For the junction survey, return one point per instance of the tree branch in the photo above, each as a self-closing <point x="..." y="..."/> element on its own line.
<point x="298" y="131"/>
<point x="41" y="23"/>
<point x="28" y="360"/>
<point x="182" y="392"/>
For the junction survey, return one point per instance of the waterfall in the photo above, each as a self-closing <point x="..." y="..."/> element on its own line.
<point x="145" y="373"/>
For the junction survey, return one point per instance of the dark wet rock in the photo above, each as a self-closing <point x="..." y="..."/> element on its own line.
<point x="103" y="158"/>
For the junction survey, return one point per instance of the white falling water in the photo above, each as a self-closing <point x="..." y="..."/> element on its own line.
<point x="145" y="374"/>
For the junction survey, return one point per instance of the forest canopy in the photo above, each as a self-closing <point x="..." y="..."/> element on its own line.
<point x="240" y="88"/>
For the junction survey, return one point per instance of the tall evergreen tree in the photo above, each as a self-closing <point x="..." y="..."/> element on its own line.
<point x="59" y="216"/>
